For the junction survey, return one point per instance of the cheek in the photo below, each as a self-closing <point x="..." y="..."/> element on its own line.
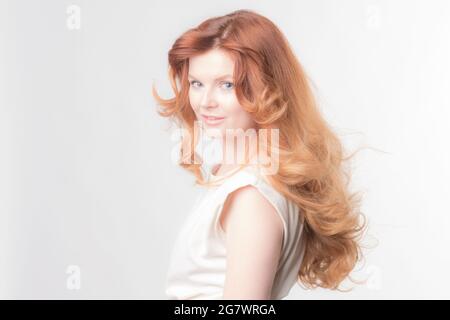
<point x="239" y="118"/>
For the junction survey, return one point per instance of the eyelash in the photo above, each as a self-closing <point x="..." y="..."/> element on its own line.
<point x="232" y="85"/>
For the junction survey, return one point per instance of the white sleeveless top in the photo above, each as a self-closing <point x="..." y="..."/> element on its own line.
<point x="198" y="259"/>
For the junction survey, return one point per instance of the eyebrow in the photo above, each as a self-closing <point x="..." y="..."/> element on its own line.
<point x="221" y="77"/>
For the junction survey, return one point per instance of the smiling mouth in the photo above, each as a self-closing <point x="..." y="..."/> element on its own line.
<point x="212" y="120"/>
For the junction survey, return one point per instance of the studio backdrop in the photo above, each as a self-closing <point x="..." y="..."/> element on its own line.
<point x="91" y="200"/>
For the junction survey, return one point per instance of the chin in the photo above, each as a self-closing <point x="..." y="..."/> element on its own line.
<point x="213" y="131"/>
<point x="214" y="134"/>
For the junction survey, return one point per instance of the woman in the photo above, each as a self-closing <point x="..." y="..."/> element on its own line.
<point x="259" y="228"/>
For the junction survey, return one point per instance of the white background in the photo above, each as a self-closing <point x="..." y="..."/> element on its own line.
<point x="86" y="177"/>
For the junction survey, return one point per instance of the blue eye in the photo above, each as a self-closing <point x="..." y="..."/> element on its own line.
<point x="193" y="83"/>
<point x="231" y="85"/>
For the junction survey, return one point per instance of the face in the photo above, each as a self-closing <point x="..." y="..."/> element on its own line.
<point x="212" y="93"/>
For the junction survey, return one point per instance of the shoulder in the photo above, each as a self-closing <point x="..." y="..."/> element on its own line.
<point x="248" y="211"/>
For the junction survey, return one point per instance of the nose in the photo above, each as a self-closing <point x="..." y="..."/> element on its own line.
<point x="208" y="100"/>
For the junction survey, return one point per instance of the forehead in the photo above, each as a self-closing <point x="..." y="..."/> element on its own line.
<point x="211" y="65"/>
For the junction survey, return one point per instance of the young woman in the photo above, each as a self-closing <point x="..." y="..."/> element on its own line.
<point x="261" y="226"/>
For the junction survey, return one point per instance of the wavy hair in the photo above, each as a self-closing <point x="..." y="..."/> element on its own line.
<point x="272" y="86"/>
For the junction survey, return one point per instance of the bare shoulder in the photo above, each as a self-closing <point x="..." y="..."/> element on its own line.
<point x="247" y="208"/>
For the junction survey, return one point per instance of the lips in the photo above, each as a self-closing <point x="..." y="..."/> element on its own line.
<point x="212" y="120"/>
<point x="212" y="117"/>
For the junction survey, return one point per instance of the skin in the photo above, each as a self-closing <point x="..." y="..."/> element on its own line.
<point x="253" y="249"/>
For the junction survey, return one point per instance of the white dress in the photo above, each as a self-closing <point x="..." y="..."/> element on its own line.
<point x="198" y="259"/>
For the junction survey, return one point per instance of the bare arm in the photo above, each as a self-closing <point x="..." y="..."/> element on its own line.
<point x="254" y="235"/>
